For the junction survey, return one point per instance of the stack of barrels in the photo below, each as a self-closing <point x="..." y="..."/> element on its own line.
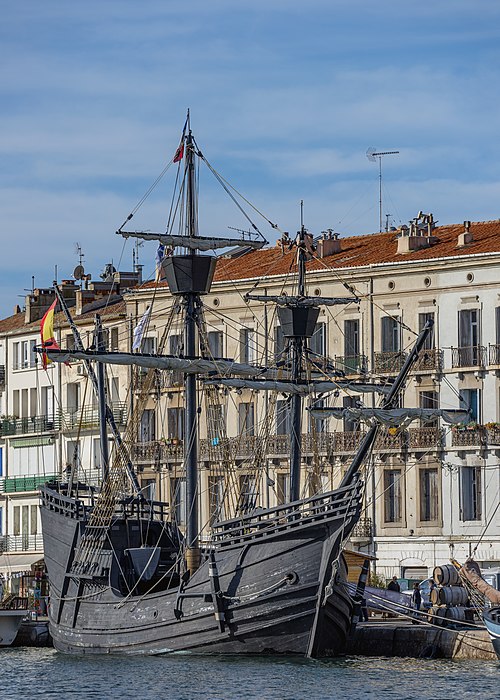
<point x="449" y="598"/>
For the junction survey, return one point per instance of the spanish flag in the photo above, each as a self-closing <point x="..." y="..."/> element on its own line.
<point x="47" y="333"/>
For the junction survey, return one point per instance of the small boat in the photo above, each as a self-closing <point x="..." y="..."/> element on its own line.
<point x="123" y="578"/>
<point x="13" y="610"/>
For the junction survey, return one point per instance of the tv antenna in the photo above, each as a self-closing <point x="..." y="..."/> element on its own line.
<point x="372" y="154"/>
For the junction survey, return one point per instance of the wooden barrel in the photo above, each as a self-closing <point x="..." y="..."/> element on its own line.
<point x="456" y="614"/>
<point x="453" y="595"/>
<point x="434" y="596"/>
<point x="446" y="575"/>
<point x="438" y="615"/>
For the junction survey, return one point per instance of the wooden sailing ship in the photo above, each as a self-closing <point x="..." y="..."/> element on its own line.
<point x="123" y="577"/>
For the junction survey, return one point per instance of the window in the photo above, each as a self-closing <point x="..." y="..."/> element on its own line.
<point x="317" y="342"/>
<point x="149" y="488"/>
<point x="317" y="425"/>
<point x="429" y="399"/>
<point x="69" y="341"/>
<point x="391" y="334"/>
<point x="282" y="488"/>
<point x="283" y="425"/>
<point x="175" y="423"/>
<point x="279" y="342"/>
<point x="1" y="520"/>
<point x="15" y="356"/>
<point x="470" y="401"/>
<point x="468" y="337"/>
<point x="392" y="496"/>
<point x="73" y="397"/>
<point x="114" y="339"/>
<point x="248" y="345"/>
<point x="115" y="390"/>
<point x="148" y="426"/>
<point x="351" y="338"/>
<point x="33" y="356"/>
<point x="429" y="343"/>
<point x="17" y="520"/>
<point x="215" y="343"/>
<point x="33" y="520"/>
<point x="16" y="403"/>
<point x="47" y="401"/>
<point x="178" y="499"/>
<point x="216" y="425"/>
<point x="25" y="354"/>
<point x="350" y="425"/>
<point x="248" y="493"/>
<point x="175" y="348"/>
<point x="429" y="495"/>
<point x="148" y="345"/>
<point x="216" y="487"/>
<point x="246" y="419"/>
<point x="470" y="493"/>
<point x="1" y="462"/>
<point x="73" y="453"/>
<point x="33" y="402"/>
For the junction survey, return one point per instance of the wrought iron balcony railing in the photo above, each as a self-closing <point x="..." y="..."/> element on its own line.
<point x="157" y="451"/>
<point x="22" y="426"/>
<point x="468" y="437"/>
<point x="426" y="438"/>
<point x="494" y="354"/>
<point x="18" y="484"/>
<point x="388" y="362"/>
<point x="69" y="419"/>
<point x="363" y="529"/>
<point x="21" y="543"/>
<point x="430" y="360"/>
<point x="352" y="364"/>
<point x="469" y="356"/>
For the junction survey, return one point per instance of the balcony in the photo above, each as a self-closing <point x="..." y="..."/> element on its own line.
<point x="468" y="436"/>
<point x="388" y="362"/>
<point x="23" y="426"/>
<point x="390" y="439"/>
<point x="19" y="484"/>
<point x="161" y="381"/>
<point x="430" y="360"/>
<point x="352" y="364"/>
<point x="88" y="417"/>
<point x="157" y="451"/>
<point x="494" y="354"/>
<point x="469" y="356"/>
<point x="362" y="530"/>
<point x="21" y="543"/>
<point x="348" y="441"/>
<point x="426" y="438"/>
<point x="492" y="433"/>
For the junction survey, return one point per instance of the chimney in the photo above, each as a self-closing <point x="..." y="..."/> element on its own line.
<point x="37" y="304"/>
<point x="418" y="235"/>
<point x="328" y="244"/>
<point x="466" y="237"/>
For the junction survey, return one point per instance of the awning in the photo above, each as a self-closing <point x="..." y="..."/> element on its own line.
<point x="14" y="563"/>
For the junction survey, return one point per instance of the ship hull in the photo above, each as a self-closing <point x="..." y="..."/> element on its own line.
<point x="283" y="592"/>
<point x="491" y="619"/>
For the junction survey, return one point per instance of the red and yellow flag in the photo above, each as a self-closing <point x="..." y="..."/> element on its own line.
<point x="47" y="333"/>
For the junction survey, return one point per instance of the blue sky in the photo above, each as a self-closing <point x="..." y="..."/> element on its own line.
<point x="285" y="98"/>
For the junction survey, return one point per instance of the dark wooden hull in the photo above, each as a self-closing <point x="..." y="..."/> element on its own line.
<point x="284" y="593"/>
<point x="491" y="619"/>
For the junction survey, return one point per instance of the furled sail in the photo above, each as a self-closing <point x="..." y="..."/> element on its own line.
<point x="194" y="242"/>
<point x="197" y="365"/>
<point x="395" y="417"/>
<point x="303" y="389"/>
<point x="302" y="301"/>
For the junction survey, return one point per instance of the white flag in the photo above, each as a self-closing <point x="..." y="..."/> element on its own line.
<point x="139" y="330"/>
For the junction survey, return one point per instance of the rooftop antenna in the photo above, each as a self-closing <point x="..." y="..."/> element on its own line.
<point x="372" y="154"/>
<point x="135" y="253"/>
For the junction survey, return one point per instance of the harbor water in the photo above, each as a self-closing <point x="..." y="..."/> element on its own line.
<point x="43" y="673"/>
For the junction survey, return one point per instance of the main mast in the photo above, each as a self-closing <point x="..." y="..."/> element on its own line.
<point x="190" y="275"/>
